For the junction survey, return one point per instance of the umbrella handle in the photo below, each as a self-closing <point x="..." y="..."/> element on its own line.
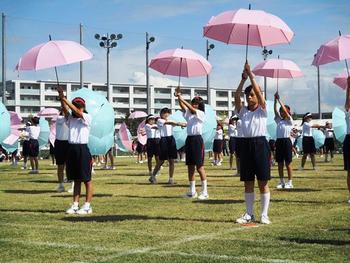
<point x="246" y="47"/>
<point x="58" y="83"/>
<point x="180" y="72"/>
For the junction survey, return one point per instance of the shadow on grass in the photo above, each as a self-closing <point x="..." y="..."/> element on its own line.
<point x="29" y="192"/>
<point x="305" y="201"/>
<point x="317" y="241"/>
<point x="121" y="218"/>
<point x="219" y="201"/>
<point x="149" y="197"/>
<point x="43" y="181"/>
<point x="319" y="177"/>
<point x="299" y="190"/>
<point x="346" y="230"/>
<point x="69" y="195"/>
<point x="32" y="211"/>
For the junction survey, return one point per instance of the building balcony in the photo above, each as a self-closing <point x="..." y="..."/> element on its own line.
<point x="30" y="103"/>
<point x="30" y="92"/>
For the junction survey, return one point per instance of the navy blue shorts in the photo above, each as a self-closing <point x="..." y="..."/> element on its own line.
<point x="346" y="152"/>
<point x="284" y="150"/>
<point x="217" y="146"/>
<point x="194" y="147"/>
<point x="139" y="148"/>
<point x="33" y="148"/>
<point x="232" y="144"/>
<point x="167" y="148"/>
<point x="309" y="145"/>
<point x="152" y="147"/>
<point x="25" y="148"/>
<point x="78" y="163"/>
<point x="61" y="149"/>
<point x="255" y="159"/>
<point x="329" y="144"/>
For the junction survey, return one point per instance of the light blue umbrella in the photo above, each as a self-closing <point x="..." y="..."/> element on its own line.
<point x="270" y="123"/>
<point x="10" y="148"/>
<point x="179" y="133"/>
<point x="44" y="132"/>
<point x="318" y="136"/>
<point x="5" y="123"/>
<point x="209" y="127"/>
<point x="102" y="128"/>
<point x="339" y="124"/>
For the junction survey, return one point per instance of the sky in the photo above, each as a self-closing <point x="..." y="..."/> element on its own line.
<point x="175" y="24"/>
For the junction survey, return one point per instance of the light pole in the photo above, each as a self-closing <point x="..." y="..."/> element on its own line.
<point x="149" y="40"/>
<point x="3" y="52"/>
<point x="319" y="91"/>
<point x="209" y="47"/>
<point x="108" y="42"/>
<point x="265" y="53"/>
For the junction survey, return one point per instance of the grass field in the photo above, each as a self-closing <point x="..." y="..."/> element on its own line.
<point x="137" y="222"/>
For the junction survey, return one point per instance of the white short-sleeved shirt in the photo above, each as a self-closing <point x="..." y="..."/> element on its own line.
<point x="329" y="133"/>
<point x="194" y="122"/>
<point x="347" y="119"/>
<point x="79" y="129"/>
<point x="253" y="122"/>
<point x="284" y="127"/>
<point x="62" y="130"/>
<point x="33" y="132"/>
<point x="164" y="129"/>
<point x="219" y="135"/>
<point x="151" y="130"/>
<point x="232" y="130"/>
<point x="307" y="129"/>
<point x="239" y="129"/>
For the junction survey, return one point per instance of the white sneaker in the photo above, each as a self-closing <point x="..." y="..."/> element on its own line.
<point x="203" y="196"/>
<point x="24" y="167"/>
<point x="141" y="161"/>
<point x="191" y="195"/>
<point x="349" y="201"/>
<point x="281" y="186"/>
<point x="289" y="185"/>
<point x="245" y="218"/>
<point x="152" y="180"/>
<point x="84" y="210"/>
<point x="301" y="168"/>
<point x="219" y="164"/>
<point x="60" y="188"/>
<point x="70" y="190"/>
<point x="265" y="220"/>
<point x="72" y="210"/>
<point x="171" y="181"/>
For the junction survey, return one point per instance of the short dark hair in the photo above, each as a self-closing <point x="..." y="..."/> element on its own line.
<point x="79" y="103"/>
<point x="165" y="110"/>
<point x="35" y="120"/>
<point x="198" y="100"/>
<point x="248" y="89"/>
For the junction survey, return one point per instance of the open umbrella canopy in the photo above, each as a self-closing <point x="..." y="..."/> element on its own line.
<point x="319" y="138"/>
<point x="270" y="123"/>
<point x="49" y="112"/>
<point x="339" y="124"/>
<point x="278" y="68"/>
<point x="5" y="122"/>
<point x="180" y="134"/>
<point x="141" y="133"/>
<point x="180" y="62"/>
<point x="209" y="127"/>
<point x="231" y="27"/>
<point x="52" y="54"/>
<point x="334" y="50"/>
<point x="44" y="132"/>
<point x="137" y="115"/>
<point x="125" y="137"/>
<point x="341" y="80"/>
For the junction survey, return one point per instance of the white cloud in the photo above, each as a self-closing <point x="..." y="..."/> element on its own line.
<point x="140" y="78"/>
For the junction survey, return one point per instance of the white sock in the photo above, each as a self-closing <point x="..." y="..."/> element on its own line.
<point x="249" y="202"/>
<point x="290" y="181"/>
<point x="204" y="187"/>
<point x="76" y="204"/>
<point x="87" y="204"/>
<point x="192" y="186"/>
<point x="264" y="203"/>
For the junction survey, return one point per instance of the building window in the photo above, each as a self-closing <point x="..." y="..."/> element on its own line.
<point x="221" y="94"/>
<point x="140" y="90"/>
<point x="120" y="90"/>
<point x="222" y="104"/>
<point x="140" y="101"/>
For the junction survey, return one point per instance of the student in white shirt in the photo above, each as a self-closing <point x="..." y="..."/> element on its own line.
<point x="61" y="148"/>
<point x="346" y="143"/>
<point x="232" y="132"/>
<point x="79" y="159"/>
<point x="33" y="132"/>
<point x="152" y="145"/>
<point x="25" y="145"/>
<point x="194" y="146"/>
<point x="218" y="144"/>
<point x="167" y="145"/>
<point x="284" y="145"/>
<point x="254" y="152"/>
<point x="309" y="147"/>
<point x="329" y="142"/>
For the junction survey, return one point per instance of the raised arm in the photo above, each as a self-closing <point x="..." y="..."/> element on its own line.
<point x="284" y="109"/>
<point x="183" y="103"/>
<point x="174" y="123"/>
<point x="256" y="88"/>
<point x="238" y="103"/>
<point x="63" y="106"/>
<point x="277" y="115"/>
<point x="67" y="103"/>
<point x="347" y="100"/>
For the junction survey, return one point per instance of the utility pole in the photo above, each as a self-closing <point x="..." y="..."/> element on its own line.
<point x="3" y="52"/>
<point x="81" y="63"/>
<point x="208" y="48"/>
<point x="149" y="40"/>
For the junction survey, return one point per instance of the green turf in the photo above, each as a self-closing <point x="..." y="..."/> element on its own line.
<point x="137" y="222"/>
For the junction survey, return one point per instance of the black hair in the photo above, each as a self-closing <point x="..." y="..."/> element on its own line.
<point x="248" y="89"/>
<point x="198" y="100"/>
<point x="288" y="109"/>
<point x="35" y="120"/>
<point x="150" y="117"/>
<point x="165" y="110"/>
<point x="308" y="114"/>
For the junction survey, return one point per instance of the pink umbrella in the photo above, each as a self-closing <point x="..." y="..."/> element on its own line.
<point x="334" y="50"/>
<point x="341" y="80"/>
<point x="248" y="27"/>
<point x="137" y="115"/>
<point x="48" y="112"/>
<point x="16" y="123"/>
<point x="278" y="68"/>
<point x="141" y="133"/>
<point x="181" y="62"/>
<point x="124" y="137"/>
<point x="52" y="54"/>
<point x="52" y="135"/>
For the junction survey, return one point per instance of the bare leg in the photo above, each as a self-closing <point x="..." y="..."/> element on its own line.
<point x="303" y="160"/>
<point x="89" y="191"/>
<point x="60" y="169"/>
<point x="263" y="187"/>
<point x="36" y="162"/>
<point x="249" y="186"/>
<point x="290" y="171"/>
<point x="32" y="163"/>
<point x="76" y="192"/>
<point x="157" y="167"/>
<point x="231" y="161"/>
<point x="280" y="170"/>
<point x="313" y="161"/>
<point x="171" y="168"/>
<point x="238" y="164"/>
<point x="190" y="170"/>
<point x="202" y="173"/>
<point x="111" y="157"/>
<point x="149" y="163"/>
